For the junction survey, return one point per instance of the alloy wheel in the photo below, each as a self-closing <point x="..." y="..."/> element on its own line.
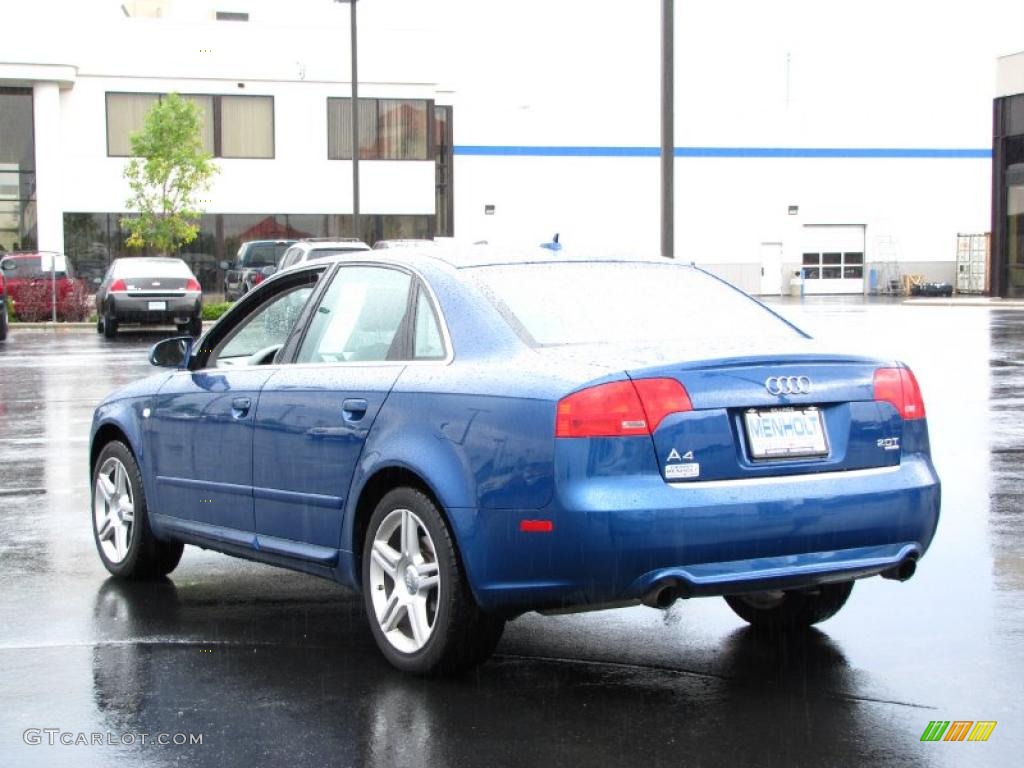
<point x="404" y="581"/>
<point x="114" y="510"/>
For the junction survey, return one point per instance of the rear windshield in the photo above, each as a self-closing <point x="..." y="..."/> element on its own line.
<point x="263" y="255"/>
<point x="620" y="302"/>
<point x="27" y="267"/>
<point x="152" y="268"/>
<point x="323" y="253"/>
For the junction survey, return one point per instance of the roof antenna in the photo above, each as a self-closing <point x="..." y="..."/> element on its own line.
<point x="554" y="245"/>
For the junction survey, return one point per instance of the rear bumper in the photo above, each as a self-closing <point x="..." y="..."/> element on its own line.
<point x="135" y="309"/>
<point x="617" y="538"/>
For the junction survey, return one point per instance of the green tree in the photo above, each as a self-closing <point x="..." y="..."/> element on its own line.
<point x="167" y="171"/>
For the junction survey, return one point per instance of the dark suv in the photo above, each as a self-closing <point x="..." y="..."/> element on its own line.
<point x="247" y="271"/>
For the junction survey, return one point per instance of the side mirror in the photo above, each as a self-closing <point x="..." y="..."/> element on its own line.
<point x="225" y="265"/>
<point x="268" y="271"/>
<point x="172" y="353"/>
<point x="9" y="265"/>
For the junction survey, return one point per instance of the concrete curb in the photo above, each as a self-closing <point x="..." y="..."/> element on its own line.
<point x="52" y="327"/>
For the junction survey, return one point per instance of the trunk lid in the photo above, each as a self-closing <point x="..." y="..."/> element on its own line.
<point x="775" y="415"/>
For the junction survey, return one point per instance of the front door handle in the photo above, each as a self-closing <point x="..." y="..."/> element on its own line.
<point x="240" y="407"/>
<point x="354" y="408"/>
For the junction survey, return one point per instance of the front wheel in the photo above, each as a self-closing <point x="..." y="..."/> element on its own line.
<point x="421" y="611"/>
<point x="792" y="609"/>
<point x="120" y="519"/>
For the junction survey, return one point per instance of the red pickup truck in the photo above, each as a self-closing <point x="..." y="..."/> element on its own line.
<point x="24" y="282"/>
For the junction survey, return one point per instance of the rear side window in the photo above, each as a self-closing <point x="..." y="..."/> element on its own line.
<point x="359" y="318"/>
<point x="635" y="303"/>
<point x="427" y="343"/>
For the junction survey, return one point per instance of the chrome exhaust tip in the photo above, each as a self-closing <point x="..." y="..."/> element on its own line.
<point x="901" y="572"/>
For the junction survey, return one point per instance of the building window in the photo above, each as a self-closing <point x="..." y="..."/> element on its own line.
<point x="389" y="129"/>
<point x="246" y="126"/>
<point x="233" y="126"/>
<point x="17" y="171"/>
<point x="444" y="203"/>
<point x="232" y="16"/>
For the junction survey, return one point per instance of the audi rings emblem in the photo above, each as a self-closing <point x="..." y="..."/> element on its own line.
<point x="787" y="385"/>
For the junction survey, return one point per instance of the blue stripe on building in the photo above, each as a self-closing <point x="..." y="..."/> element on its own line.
<point x="767" y="152"/>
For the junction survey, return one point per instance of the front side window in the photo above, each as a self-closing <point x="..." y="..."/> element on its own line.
<point x="267" y="327"/>
<point x="359" y="318"/>
<point x="389" y="129"/>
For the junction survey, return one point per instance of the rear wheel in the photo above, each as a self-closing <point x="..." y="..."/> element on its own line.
<point x="120" y="519"/>
<point x="3" y="321"/>
<point x="421" y="610"/>
<point x="195" y="327"/>
<point x="110" y="326"/>
<point x="792" y="609"/>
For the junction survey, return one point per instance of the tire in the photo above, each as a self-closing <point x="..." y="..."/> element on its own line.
<point x="99" y="324"/>
<point x="128" y="548"/>
<point x="454" y="635"/>
<point x="3" y="321"/>
<point x="794" y="609"/>
<point x="195" y="327"/>
<point x="110" y="326"/>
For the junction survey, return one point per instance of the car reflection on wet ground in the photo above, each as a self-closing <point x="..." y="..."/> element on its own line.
<point x="273" y="666"/>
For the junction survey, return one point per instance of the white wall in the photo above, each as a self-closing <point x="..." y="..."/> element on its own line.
<point x="300" y="179"/>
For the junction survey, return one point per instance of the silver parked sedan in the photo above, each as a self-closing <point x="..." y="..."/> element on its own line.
<point x="149" y="291"/>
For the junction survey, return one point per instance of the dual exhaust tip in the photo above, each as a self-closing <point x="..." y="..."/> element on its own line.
<point x="663" y="594"/>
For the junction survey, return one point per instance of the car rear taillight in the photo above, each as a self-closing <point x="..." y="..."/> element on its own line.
<point x="899" y="387"/>
<point x="258" y="278"/>
<point x="117" y="286"/>
<point x="620" y="408"/>
<point x="193" y="285"/>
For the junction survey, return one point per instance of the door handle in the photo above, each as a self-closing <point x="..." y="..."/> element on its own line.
<point x="354" y="408"/>
<point x="240" y="406"/>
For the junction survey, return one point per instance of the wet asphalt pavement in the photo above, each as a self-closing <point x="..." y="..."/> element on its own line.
<point x="275" y="667"/>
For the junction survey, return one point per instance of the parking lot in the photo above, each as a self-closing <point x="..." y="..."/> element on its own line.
<point x="268" y="665"/>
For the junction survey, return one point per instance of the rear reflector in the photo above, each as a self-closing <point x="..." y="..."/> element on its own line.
<point x="117" y="286"/>
<point x="536" y="526"/>
<point x="899" y="387"/>
<point x="620" y="408"/>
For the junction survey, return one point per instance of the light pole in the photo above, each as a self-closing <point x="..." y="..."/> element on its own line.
<point x="667" y="131"/>
<point x="355" y="119"/>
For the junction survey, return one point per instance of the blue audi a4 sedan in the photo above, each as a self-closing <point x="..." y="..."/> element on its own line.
<point x="467" y="436"/>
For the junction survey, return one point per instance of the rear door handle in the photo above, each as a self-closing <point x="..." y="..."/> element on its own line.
<point x="354" y="408"/>
<point x="240" y="407"/>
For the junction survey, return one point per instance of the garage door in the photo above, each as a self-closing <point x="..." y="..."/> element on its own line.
<point x="833" y="258"/>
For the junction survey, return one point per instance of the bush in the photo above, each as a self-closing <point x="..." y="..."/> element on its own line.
<point x="214" y="311"/>
<point x="36" y="300"/>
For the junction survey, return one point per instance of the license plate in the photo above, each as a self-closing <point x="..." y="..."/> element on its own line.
<point x="158" y="305"/>
<point x="783" y="433"/>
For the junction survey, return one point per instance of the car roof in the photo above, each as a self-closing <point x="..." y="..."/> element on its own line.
<point x="467" y="257"/>
<point x="314" y="243"/>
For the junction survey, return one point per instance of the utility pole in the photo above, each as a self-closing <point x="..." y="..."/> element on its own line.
<point x="355" y="126"/>
<point x="667" y="131"/>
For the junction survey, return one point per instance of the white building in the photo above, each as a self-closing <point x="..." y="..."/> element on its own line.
<point x="853" y="143"/>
